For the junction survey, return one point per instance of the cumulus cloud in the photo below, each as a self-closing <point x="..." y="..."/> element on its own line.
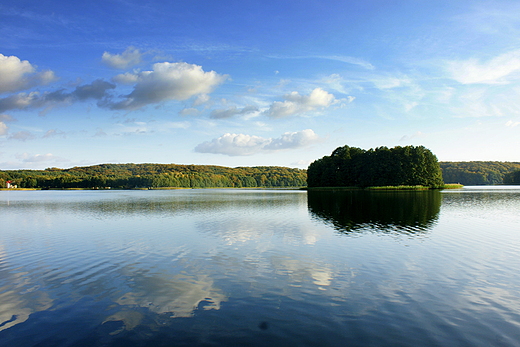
<point x="3" y="129"/>
<point x="293" y="140"/>
<point x="232" y="111"/>
<point x="243" y="145"/>
<point x="125" y="78"/>
<point x="130" y="57"/>
<point x="494" y="71"/>
<point x="96" y="90"/>
<point x="168" y="81"/>
<point x="298" y="104"/>
<point x="20" y="101"/>
<point x="17" y="75"/>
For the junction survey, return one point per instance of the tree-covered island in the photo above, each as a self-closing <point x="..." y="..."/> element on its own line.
<point x="355" y="167"/>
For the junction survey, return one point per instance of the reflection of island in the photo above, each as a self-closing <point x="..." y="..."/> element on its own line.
<point x="402" y="211"/>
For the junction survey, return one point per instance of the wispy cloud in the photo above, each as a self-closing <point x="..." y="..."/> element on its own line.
<point x="54" y="133"/>
<point x="344" y="59"/>
<point x="96" y="90"/>
<point x="22" y="136"/>
<point x="39" y="158"/>
<point x="232" y="111"/>
<point x="498" y="70"/>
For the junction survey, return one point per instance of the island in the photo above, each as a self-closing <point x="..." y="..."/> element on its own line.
<point x="405" y="167"/>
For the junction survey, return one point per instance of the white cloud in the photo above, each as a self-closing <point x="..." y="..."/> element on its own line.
<point x="16" y="75"/>
<point x="234" y="145"/>
<point x="3" y="129"/>
<point x="494" y="71"/>
<point x="509" y="123"/>
<point x="126" y="78"/>
<point x="242" y="145"/>
<point x="293" y="140"/>
<point x="168" y="81"/>
<point x="130" y="57"/>
<point x="295" y="103"/>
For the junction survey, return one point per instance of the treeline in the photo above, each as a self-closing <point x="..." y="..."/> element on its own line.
<point x="356" y="167"/>
<point x="479" y="172"/>
<point x="129" y="176"/>
<point x="512" y="177"/>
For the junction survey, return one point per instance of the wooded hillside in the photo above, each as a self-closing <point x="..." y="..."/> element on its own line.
<point x="125" y="176"/>
<point x="471" y="173"/>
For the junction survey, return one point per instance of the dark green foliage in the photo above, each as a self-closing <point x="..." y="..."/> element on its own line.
<point x="127" y="176"/>
<point x="353" y="210"/>
<point x="355" y="167"/>
<point x="477" y="172"/>
<point x="512" y="177"/>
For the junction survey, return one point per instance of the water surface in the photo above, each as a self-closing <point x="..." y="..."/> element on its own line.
<point x="260" y="267"/>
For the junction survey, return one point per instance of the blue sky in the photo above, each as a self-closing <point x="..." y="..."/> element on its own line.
<point x="254" y="83"/>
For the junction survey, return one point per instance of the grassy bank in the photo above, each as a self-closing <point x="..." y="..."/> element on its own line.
<point x="453" y="186"/>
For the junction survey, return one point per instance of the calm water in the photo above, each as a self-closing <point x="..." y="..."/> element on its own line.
<point x="260" y="268"/>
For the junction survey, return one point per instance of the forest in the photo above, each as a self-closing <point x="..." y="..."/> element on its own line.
<point x="382" y="166"/>
<point x="131" y="176"/>
<point x="512" y="177"/>
<point x="346" y="166"/>
<point x="471" y="173"/>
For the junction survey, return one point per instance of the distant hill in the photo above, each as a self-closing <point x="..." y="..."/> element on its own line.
<point x="477" y="172"/>
<point x="126" y="176"/>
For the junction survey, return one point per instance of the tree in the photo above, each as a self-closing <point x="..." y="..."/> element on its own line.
<point x="350" y="166"/>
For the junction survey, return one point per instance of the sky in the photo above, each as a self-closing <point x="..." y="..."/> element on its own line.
<point x="255" y="83"/>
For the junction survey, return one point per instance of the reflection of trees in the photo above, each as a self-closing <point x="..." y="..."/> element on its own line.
<point x="154" y="202"/>
<point x="402" y="211"/>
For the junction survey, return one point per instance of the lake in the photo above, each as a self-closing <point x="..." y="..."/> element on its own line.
<point x="227" y="267"/>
